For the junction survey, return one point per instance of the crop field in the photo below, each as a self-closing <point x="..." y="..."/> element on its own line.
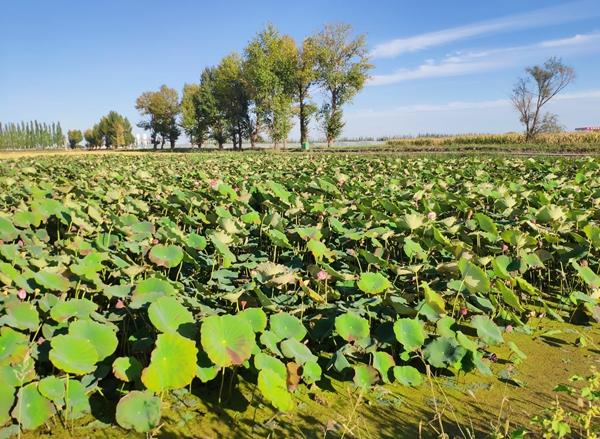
<point x="299" y="295"/>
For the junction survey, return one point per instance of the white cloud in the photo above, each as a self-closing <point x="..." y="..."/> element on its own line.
<point x="569" y="12"/>
<point x="574" y="109"/>
<point x="493" y="59"/>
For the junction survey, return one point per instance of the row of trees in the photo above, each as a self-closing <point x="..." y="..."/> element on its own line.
<point x="30" y="135"/>
<point x="260" y="91"/>
<point x="112" y="131"/>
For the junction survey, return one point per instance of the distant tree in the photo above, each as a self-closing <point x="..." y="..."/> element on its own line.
<point x="115" y="130"/>
<point x="93" y="137"/>
<point x="74" y="137"/>
<point x="231" y="98"/>
<point x="551" y="124"/>
<point x="535" y="90"/>
<point x="162" y="108"/>
<point x="304" y="78"/>
<point x="342" y="68"/>
<point x="269" y="70"/>
<point x="59" y="137"/>
<point x="189" y="115"/>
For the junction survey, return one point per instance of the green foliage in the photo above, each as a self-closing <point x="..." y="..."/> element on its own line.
<point x="139" y="411"/>
<point x="161" y="108"/>
<point x="115" y="130"/>
<point x="342" y="69"/>
<point x="156" y="273"/>
<point x="30" y="135"/>
<point x="74" y="137"/>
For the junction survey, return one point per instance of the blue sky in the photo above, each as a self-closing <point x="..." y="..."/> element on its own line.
<point x="440" y="66"/>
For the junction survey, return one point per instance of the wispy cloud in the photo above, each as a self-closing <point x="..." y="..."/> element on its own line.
<point x="569" y="12"/>
<point x="493" y="59"/>
<point x="465" y="105"/>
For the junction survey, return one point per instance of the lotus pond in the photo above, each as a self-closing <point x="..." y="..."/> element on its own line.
<point x="292" y="294"/>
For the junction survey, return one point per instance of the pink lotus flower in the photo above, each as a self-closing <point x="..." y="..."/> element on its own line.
<point x="322" y="275"/>
<point x="508" y="328"/>
<point x="41" y="341"/>
<point x="505" y="248"/>
<point x="120" y="304"/>
<point x="463" y="311"/>
<point x="20" y="243"/>
<point x="214" y="184"/>
<point x="154" y="241"/>
<point x="584" y="263"/>
<point x="22" y="294"/>
<point x="432" y="216"/>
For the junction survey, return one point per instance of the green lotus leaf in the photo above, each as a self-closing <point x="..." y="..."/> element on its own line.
<point x="487" y="224"/>
<point x="365" y="376"/>
<point x="352" y="327"/>
<point x="263" y="361"/>
<point x="139" y="411"/>
<point x="410" y="333"/>
<point x="274" y="275"/>
<point x="474" y="278"/>
<point x="172" y="364"/>
<point x="13" y="346"/>
<point x="168" y="315"/>
<point x="587" y="275"/>
<point x="487" y="330"/>
<point x="292" y="348"/>
<point x="228" y="340"/>
<point x="8" y="376"/>
<point x="7" y="399"/>
<point x="53" y="388"/>
<point x="444" y="352"/>
<point x="550" y="213"/>
<point x="120" y="291"/>
<point x="52" y="281"/>
<point x="311" y="372"/>
<point x="168" y="256"/>
<point x="21" y="315"/>
<point x="445" y="326"/>
<point x="319" y="250"/>
<point x="373" y="283"/>
<point x="408" y="376"/>
<point x="274" y="389"/>
<point x="149" y="290"/>
<point x="72" y="354"/>
<point x="279" y="239"/>
<point x="269" y="340"/>
<point x="90" y="265"/>
<point x="79" y="308"/>
<point x="256" y="317"/>
<point x="127" y="369"/>
<point x="195" y="241"/>
<point x="76" y="400"/>
<point x="433" y="299"/>
<point x="500" y="266"/>
<point x="382" y="361"/>
<point x="287" y="326"/>
<point x="466" y="342"/>
<point x="8" y="232"/>
<point x="102" y="337"/>
<point x="509" y="296"/>
<point x="32" y="409"/>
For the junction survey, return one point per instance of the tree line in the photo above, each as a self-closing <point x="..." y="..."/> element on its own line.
<point x="259" y="91"/>
<point x="31" y="135"/>
<point x="112" y="131"/>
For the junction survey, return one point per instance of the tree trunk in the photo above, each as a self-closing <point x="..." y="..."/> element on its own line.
<point x="303" y="121"/>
